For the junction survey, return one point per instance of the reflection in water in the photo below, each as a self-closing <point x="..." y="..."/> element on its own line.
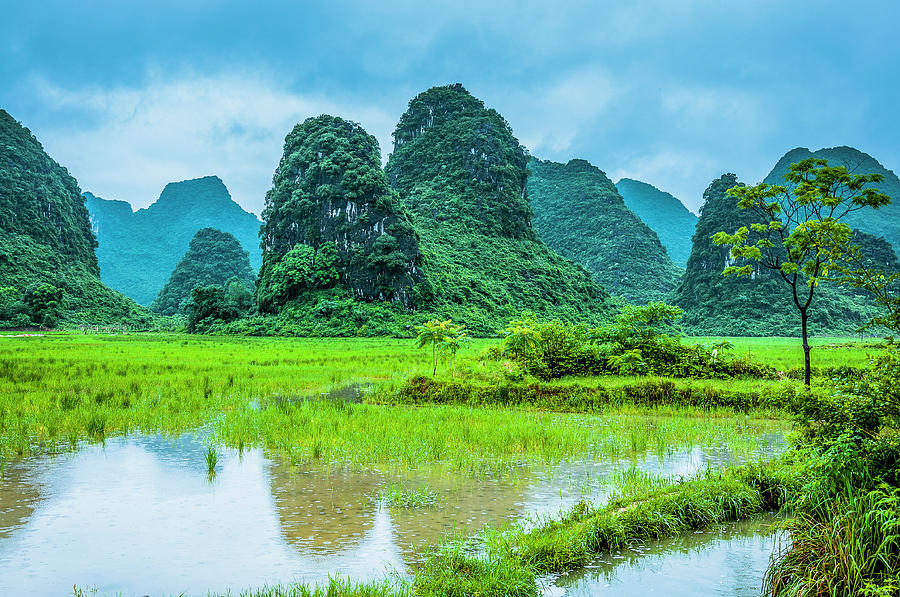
<point x="139" y="515"/>
<point x="729" y="559"/>
<point x="19" y="493"/>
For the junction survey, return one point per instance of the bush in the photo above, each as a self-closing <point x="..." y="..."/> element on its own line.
<point x="845" y="539"/>
<point x="637" y="343"/>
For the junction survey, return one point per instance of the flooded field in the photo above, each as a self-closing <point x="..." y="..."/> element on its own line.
<point x="733" y="559"/>
<point x="142" y="515"/>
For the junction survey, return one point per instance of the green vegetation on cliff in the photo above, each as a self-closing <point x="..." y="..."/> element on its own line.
<point x="46" y="243"/>
<point x="332" y="222"/>
<point x="138" y="250"/>
<point x="759" y="304"/>
<point x="462" y="174"/>
<point x="213" y="258"/>
<point x="883" y="222"/>
<point x="579" y="213"/>
<point x="664" y="213"/>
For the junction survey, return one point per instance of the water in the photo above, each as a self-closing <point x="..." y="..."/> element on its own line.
<point x="728" y="560"/>
<point x="140" y="515"/>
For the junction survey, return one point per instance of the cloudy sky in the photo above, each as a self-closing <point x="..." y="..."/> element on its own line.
<point x="131" y="95"/>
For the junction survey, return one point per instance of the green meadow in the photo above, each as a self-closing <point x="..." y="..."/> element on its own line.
<point x="288" y="395"/>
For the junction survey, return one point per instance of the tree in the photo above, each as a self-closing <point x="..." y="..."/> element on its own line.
<point x="238" y="295"/>
<point x="522" y="338"/>
<point x="45" y="303"/>
<point x="10" y="302"/>
<point x="796" y="230"/>
<point x="208" y="303"/>
<point x="442" y="336"/>
<point x="456" y="336"/>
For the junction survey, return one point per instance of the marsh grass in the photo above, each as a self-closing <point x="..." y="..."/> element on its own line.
<point x="509" y="562"/>
<point x="848" y="546"/>
<point x="212" y="458"/>
<point x="395" y="495"/>
<point x="255" y="392"/>
<point x="624" y="483"/>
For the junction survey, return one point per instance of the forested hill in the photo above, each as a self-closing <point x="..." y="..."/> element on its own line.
<point x="664" y="213"/>
<point x="138" y="251"/>
<point x="46" y="239"/>
<point x="213" y="257"/>
<point x="882" y="222"/>
<point x="759" y="305"/>
<point x="333" y="226"/>
<point x="462" y="174"/>
<point x="579" y="213"/>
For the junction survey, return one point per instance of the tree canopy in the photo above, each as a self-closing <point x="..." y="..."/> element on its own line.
<point x="758" y="304"/>
<point x="798" y="229"/>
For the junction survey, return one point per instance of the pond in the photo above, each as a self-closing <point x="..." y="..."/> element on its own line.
<point x="140" y="515"/>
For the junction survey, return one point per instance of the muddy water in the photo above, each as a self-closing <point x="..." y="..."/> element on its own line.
<point x="728" y="560"/>
<point x="141" y="516"/>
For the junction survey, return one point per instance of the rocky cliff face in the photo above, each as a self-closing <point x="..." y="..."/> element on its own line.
<point x="580" y="214"/>
<point x="330" y="196"/>
<point x="462" y="174"/>
<point x="138" y="251"/>
<point x="448" y="144"/>
<point x="664" y="213"/>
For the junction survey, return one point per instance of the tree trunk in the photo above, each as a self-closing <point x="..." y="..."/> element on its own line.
<point x="807" y="371"/>
<point x="434" y="358"/>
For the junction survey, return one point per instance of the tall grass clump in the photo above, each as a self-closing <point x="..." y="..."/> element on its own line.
<point x="212" y="458"/>
<point x="845" y="538"/>
<point x="848" y="546"/>
<point x="394" y="495"/>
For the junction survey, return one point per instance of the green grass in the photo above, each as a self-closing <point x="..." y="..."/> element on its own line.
<point x="787" y="353"/>
<point x="56" y="391"/>
<point x="394" y="495"/>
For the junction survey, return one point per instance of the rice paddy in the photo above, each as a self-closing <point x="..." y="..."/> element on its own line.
<point x="323" y="409"/>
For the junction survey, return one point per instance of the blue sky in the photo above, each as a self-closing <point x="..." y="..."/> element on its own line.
<point x="131" y="95"/>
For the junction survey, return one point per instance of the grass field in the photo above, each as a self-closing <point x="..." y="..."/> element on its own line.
<point x="57" y="390"/>
<point x="787" y="353"/>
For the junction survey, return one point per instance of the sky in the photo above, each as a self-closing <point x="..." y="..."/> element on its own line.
<point x="131" y="95"/>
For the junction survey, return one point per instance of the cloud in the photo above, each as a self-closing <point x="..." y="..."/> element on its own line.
<point x="137" y="139"/>
<point x="681" y="172"/>
<point x="551" y="118"/>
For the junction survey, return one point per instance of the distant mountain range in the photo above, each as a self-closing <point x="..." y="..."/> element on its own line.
<point x="137" y="251"/>
<point x="665" y="214"/>
<point x="461" y="223"/>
